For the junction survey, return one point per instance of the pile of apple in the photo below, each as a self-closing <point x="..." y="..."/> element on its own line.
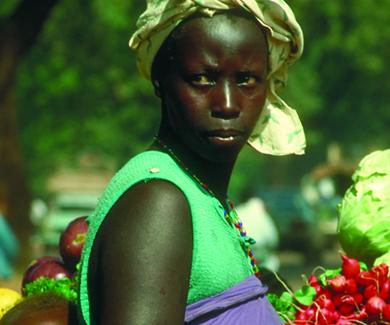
<point x="352" y="294"/>
<point x="59" y="267"/>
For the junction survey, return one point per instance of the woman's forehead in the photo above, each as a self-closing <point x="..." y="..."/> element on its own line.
<point x="220" y="37"/>
<point x="226" y="26"/>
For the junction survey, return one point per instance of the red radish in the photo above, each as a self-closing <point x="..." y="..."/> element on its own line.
<point x="326" y="293"/>
<point x="348" y="300"/>
<point x="53" y="269"/>
<point x="338" y="283"/>
<point x="352" y="297"/>
<point x="359" y="315"/>
<point x="366" y="278"/>
<point x="324" y="302"/>
<point x="72" y="241"/>
<point x="375" y="305"/>
<point x="358" y="297"/>
<point x="317" y="287"/>
<point x="370" y="291"/>
<point x="386" y="312"/>
<point x="384" y="292"/>
<point x="351" y="286"/>
<point x="335" y="315"/>
<point x="324" y="316"/>
<point x="381" y="269"/>
<point x="337" y="299"/>
<point x="342" y="321"/>
<point x="312" y="279"/>
<point x="300" y="316"/>
<point x="346" y="309"/>
<point x="350" y="267"/>
<point x="310" y="313"/>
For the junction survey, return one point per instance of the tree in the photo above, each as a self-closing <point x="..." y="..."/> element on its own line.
<point x="18" y="32"/>
<point x="78" y="89"/>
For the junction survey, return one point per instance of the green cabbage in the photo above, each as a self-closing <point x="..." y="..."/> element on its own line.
<point x="385" y="258"/>
<point x="364" y="213"/>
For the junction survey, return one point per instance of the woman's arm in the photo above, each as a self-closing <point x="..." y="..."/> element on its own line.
<point x="144" y="256"/>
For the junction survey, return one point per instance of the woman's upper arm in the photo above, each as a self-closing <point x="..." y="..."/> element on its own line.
<point x="144" y="257"/>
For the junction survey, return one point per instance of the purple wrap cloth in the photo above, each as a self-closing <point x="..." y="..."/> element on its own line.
<point x="243" y="304"/>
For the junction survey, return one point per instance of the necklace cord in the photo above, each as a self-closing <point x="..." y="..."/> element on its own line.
<point x="231" y="216"/>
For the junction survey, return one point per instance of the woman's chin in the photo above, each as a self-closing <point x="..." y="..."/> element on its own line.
<point x="221" y="153"/>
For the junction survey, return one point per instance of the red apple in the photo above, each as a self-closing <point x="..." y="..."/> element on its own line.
<point x="52" y="268"/>
<point x="27" y="277"/>
<point x="72" y="241"/>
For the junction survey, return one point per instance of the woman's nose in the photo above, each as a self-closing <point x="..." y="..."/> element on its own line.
<point x="226" y="104"/>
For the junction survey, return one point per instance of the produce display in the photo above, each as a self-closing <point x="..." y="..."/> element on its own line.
<point x="52" y="274"/>
<point x="364" y="213"/>
<point x="58" y="274"/>
<point x="351" y="294"/>
<point x="354" y="293"/>
<point x="358" y="292"/>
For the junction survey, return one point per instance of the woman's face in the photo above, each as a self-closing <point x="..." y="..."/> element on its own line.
<point x="215" y="88"/>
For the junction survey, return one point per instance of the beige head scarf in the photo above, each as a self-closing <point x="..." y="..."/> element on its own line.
<point x="278" y="130"/>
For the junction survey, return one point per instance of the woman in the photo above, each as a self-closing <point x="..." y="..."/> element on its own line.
<point x="165" y="245"/>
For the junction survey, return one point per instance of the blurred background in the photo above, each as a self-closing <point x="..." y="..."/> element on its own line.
<point x="73" y="109"/>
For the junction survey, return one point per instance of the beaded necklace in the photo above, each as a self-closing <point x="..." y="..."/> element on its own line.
<point x="230" y="216"/>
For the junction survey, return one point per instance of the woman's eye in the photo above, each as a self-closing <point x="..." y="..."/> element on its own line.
<point x="201" y="80"/>
<point x="247" y="80"/>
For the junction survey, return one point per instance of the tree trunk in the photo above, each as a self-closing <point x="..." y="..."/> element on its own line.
<point x="18" y="33"/>
<point x="15" y="193"/>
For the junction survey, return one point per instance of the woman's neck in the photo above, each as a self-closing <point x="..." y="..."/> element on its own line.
<point x="213" y="175"/>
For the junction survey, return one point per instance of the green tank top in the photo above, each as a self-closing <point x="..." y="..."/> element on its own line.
<point x="219" y="258"/>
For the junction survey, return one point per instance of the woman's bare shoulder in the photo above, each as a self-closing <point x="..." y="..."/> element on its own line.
<point x="155" y="202"/>
<point x="144" y="256"/>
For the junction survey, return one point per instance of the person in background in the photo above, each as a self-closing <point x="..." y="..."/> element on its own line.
<point x="9" y="247"/>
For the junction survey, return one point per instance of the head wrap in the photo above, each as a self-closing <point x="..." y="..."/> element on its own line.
<point x="278" y="130"/>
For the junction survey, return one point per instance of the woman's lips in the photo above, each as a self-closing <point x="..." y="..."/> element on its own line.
<point x="224" y="136"/>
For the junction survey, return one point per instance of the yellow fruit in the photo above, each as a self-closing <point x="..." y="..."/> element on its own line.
<point x="8" y="299"/>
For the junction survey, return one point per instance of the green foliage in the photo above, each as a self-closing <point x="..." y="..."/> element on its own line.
<point x="346" y="50"/>
<point x="305" y="295"/>
<point x="65" y="287"/>
<point x="286" y="303"/>
<point x="7" y="7"/>
<point x="283" y="305"/>
<point x="328" y="274"/>
<point x="79" y="89"/>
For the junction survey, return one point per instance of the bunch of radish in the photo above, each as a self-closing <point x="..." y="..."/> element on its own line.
<point x="58" y="273"/>
<point x="352" y="294"/>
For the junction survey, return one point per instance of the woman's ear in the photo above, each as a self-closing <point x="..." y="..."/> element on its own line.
<point x="156" y="86"/>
